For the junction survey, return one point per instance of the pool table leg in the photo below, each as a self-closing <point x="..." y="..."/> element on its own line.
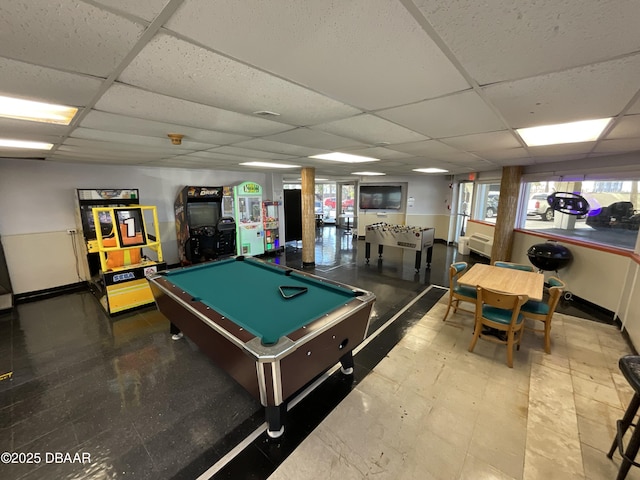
<point x="346" y="362"/>
<point x="275" y="419"/>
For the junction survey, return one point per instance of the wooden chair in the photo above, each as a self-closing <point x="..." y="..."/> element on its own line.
<point x="516" y="266"/>
<point x="458" y="293"/>
<point x="543" y="311"/>
<point x="501" y="312"/>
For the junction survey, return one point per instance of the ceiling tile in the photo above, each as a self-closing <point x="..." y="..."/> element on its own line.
<point x="619" y="145"/>
<point x="146" y="9"/>
<point x="121" y="123"/>
<point x="375" y="44"/>
<point x="179" y="69"/>
<point x="513" y="154"/>
<point x="458" y="114"/>
<point x="66" y="34"/>
<point x="45" y="84"/>
<point x="370" y="129"/>
<point x="563" y="149"/>
<point x="22" y="129"/>
<point x="514" y="162"/>
<point x="483" y="141"/>
<point x="634" y="108"/>
<point x="427" y="148"/>
<point x="95" y="159"/>
<point x="558" y="158"/>
<point x="151" y="106"/>
<point x="233" y="159"/>
<point x="314" y="139"/>
<point x="277" y="147"/>
<point x="595" y="91"/>
<point x="377" y="152"/>
<point x="142" y="140"/>
<point x="503" y="39"/>
<point x="120" y="149"/>
<point x="627" y="127"/>
<point x="22" y="153"/>
<point x="249" y="153"/>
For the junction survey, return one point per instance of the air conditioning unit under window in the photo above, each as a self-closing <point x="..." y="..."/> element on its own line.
<point x="481" y="244"/>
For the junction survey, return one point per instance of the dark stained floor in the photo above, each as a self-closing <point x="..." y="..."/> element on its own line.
<point x="138" y="405"/>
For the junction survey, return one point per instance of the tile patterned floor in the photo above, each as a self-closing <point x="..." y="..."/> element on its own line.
<point x="433" y="410"/>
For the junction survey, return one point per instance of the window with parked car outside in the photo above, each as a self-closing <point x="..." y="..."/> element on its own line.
<point x="613" y="218"/>
<point x="487" y="199"/>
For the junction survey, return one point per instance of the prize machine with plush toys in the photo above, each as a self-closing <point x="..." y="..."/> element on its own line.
<point x="271" y="225"/>
<point x="202" y="231"/>
<point x="129" y="250"/>
<point x="247" y="207"/>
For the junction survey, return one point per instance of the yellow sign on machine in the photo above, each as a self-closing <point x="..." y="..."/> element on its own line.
<point x="123" y="243"/>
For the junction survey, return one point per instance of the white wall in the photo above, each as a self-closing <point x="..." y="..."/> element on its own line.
<point x="595" y="275"/>
<point x="38" y="206"/>
<point x="425" y="204"/>
<point x="629" y="306"/>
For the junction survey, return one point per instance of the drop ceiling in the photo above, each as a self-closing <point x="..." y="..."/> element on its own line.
<point x="416" y="84"/>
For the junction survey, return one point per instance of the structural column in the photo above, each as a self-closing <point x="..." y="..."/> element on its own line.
<point x="308" y="217"/>
<point x="507" y="213"/>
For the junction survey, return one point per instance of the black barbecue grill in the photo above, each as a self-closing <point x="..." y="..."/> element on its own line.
<point x="549" y="256"/>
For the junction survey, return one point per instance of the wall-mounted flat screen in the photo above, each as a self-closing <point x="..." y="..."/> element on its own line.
<point x="203" y="214"/>
<point x="380" y="197"/>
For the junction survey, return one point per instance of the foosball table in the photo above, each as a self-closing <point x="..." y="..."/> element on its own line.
<point x="401" y="236"/>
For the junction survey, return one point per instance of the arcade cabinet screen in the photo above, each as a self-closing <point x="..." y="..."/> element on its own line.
<point x="380" y="197"/>
<point x="202" y="214"/>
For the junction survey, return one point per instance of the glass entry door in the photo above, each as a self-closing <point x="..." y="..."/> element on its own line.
<point x="347" y="206"/>
<point x="465" y="198"/>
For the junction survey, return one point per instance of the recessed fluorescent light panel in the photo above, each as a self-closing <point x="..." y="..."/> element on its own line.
<point x="24" y="144"/>
<point x="36" y="111"/>
<point x="430" y="170"/>
<point x="268" y="165"/>
<point x="574" y="132"/>
<point x="344" y="157"/>
<point x="369" y="174"/>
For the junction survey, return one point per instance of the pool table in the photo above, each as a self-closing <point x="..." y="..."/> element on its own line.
<point x="273" y="329"/>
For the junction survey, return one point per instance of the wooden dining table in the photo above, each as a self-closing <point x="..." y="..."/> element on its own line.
<point x="508" y="280"/>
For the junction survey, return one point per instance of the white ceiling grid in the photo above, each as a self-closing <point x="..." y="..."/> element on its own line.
<point x="422" y="83"/>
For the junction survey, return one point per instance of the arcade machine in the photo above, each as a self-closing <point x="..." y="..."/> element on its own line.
<point x="247" y="204"/>
<point x="88" y="199"/>
<point x="123" y="241"/>
<point x="203" y="232"/>
<point x="6" y="293"/>
<point x="271" y="225"/>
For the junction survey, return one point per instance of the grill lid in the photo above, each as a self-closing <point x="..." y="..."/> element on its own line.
<point x="549" y="256"/>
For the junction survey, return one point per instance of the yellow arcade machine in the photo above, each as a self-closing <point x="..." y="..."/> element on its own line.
<point x="123" y="251"/>
<point x="88" y="199"/>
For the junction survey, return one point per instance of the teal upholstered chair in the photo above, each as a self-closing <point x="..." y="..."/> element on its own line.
<point x="459" y="293"/>
<point x="543" y="311"/>
<point x="516" y="266"/>
<point x="500" y="312"/>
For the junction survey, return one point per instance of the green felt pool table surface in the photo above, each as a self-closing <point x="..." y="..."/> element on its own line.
<point x="252" y="295"/>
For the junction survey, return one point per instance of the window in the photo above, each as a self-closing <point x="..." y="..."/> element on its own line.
<point x="487" y="199"/>
<point x="613" y="217"/>
<point x="324" y="201"/>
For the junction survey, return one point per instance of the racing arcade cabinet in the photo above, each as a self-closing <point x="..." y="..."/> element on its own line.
<point x="202" y="231"/>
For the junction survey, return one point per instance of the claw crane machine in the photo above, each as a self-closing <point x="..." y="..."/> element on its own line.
<point x="247" y="206"/>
